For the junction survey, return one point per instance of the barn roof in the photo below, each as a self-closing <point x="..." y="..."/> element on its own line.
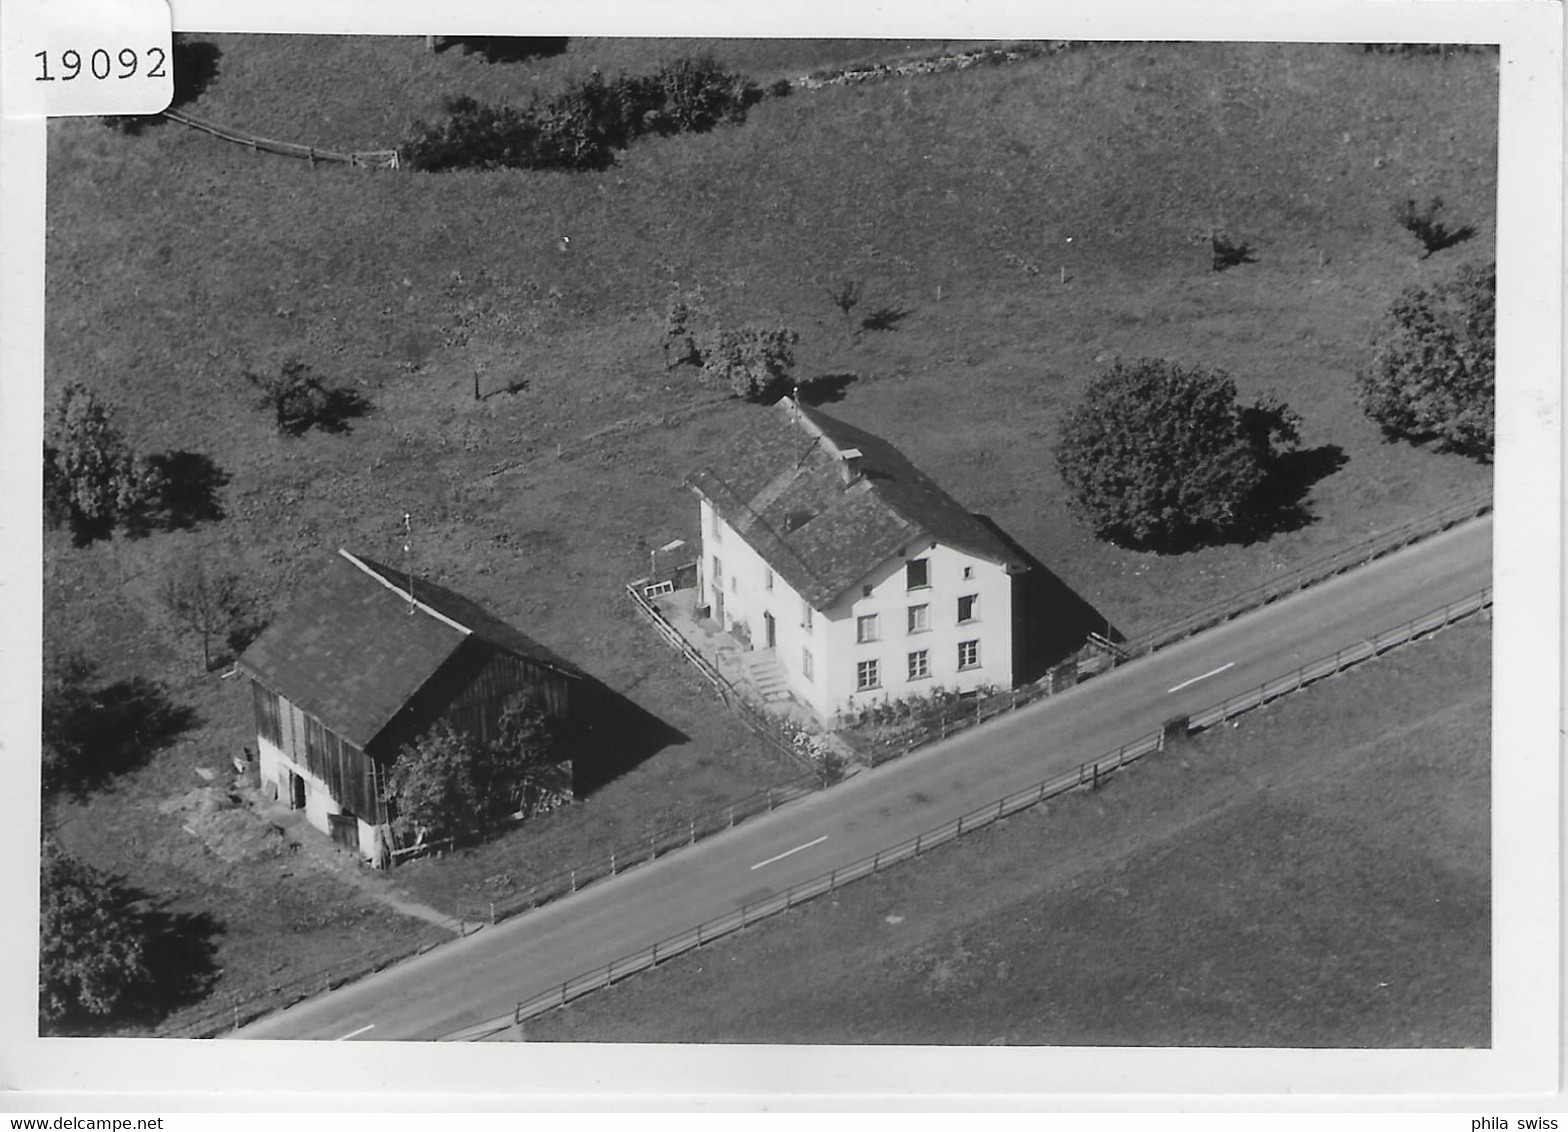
<point x="779" y="484"/>
<point x="352" y="651"/>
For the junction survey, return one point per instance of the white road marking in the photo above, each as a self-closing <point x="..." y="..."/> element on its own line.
<point x="357" y="1032"/>
<point x="787" y="852"/>
<point x="1195" y="679"/>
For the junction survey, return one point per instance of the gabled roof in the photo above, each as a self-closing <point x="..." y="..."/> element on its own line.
<point x="779" y="484"/>
<point x="352" y="650"/>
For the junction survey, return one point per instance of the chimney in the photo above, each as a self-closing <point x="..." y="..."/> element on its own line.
<point x="849" y="465"/>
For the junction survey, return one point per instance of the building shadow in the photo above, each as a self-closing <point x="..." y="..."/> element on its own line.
<point x="825" y="388"/>
<point x="613" y="735"/>
<point x="1053" y="619"/>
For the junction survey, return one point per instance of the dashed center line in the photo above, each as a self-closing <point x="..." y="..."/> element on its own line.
<point x="787" y="852"/>
<point x="1195" y="679"/>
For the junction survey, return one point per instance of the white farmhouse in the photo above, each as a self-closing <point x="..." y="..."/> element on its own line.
<point x="825" y="546"/>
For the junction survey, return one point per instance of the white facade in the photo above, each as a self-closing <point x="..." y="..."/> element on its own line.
<point x="277" y="768"/>
<point x="899" y="633"/>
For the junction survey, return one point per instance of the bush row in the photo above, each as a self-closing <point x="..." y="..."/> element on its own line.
<point x="584" y="126"/>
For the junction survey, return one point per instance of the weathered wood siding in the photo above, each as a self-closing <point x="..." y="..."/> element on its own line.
<point x="470" y="692"/>
<point x="347" y="772"/>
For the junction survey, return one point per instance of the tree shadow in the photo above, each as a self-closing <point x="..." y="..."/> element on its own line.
<point x="194" y="65"/>
<point x="825" y="388"/>
<point x="506" y="48"/>
<point x="612" y="735"/>
<point x="1051" y="618"/>
<point x="885" y="318"/>
<point x="92" y="734"/>
<point x="1279" y="503"/>
<point x="516" y="385"/>
<point x="188" y="492"/>
<point x="1276" y="507"/>
<point x="181" y="957"/>
<point x="1228" y="254"/>
<point x="339" y="408"/>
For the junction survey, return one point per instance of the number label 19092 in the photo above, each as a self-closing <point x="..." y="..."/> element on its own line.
<point x="98" y="63"/>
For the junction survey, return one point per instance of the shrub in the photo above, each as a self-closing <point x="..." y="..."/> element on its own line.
<point x="451" y="783"/>
<point x="1433" y="373"/>
<point x="299" y="401"/>
<point x="754" y="361"/>
<point x="1423" y="224"/>
<point x="1161" y="455"/>
<point x="581" y="128"/>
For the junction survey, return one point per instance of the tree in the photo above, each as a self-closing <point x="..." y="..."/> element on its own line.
<point x="91" y="473"/>
<point x="450" y="783"/>
<point x="753" y="361"/>
<point x="210" y="601"/>
<point x="92" y="944"/>
<point x="1161" y="455"/>
<point x="1433" y="370"/>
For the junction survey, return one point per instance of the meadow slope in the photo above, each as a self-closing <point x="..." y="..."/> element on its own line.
<point x="177" y="262"/>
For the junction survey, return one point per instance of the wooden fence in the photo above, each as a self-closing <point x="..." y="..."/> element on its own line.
<point x="756" y="719"/>
<point x="1087" y="774"/>
<point x="232" y="1013"/>
<point x="365" y="159"/>
<point x="1217" y="613"/>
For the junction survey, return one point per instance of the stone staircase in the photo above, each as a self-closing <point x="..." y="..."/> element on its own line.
<point x="764" y="675"/>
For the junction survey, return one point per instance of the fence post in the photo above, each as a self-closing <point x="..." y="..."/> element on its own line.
<point x="732" y="817"/>
<point x="918" y="838"/>
<point x="693" y="840"/>
<point x="699" y="935"/>
<point x="1000" y="803"/>
<point x="1095" y="784"/>
<point x="574" y="880"/>
<point x="770" y="797"/>
<point x="960" y="825"/>
<point x="656" y="955"/>
<point x="832" y="880"/>
<point x="612" y="862"/>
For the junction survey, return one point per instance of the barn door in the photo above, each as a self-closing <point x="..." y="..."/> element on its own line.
<point x="345" y="830"/>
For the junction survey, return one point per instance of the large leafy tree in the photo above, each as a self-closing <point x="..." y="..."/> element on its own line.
<point x="1433" y="372"/>
<point x="92" y="476"/>
<point x="92" y="944"/>
<point x="1160" y="455"/>
<point x="754" y="361"/>
<point x="452" y="784"/>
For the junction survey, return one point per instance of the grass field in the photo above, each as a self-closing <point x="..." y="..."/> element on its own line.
<point x="176" y="262"/>
<point x="1317" y="876"/>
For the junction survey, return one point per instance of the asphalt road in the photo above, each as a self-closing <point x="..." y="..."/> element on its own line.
<point x="473" y="980"/>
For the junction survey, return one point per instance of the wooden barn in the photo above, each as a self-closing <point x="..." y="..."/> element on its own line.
<point x="365" y="662"/>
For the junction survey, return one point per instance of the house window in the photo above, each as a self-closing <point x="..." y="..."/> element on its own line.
<point x="918" y="573"/>
<point x="718" y="571"/>
<point x="865" y="591"/>
<point x="919" y="665"/>
<point x="868" y="674"/>
<point x="767" y="577"/>
<point x="808" y="667"/>
<point x="968" y="608"/>
<point x="866" y="629"/>
<point x="969" y="572"/>
<point x="919" y="618"/>
<point x="805" y="616"/>
<point x="968" y="654"/>
<point x="718" y="530"/>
